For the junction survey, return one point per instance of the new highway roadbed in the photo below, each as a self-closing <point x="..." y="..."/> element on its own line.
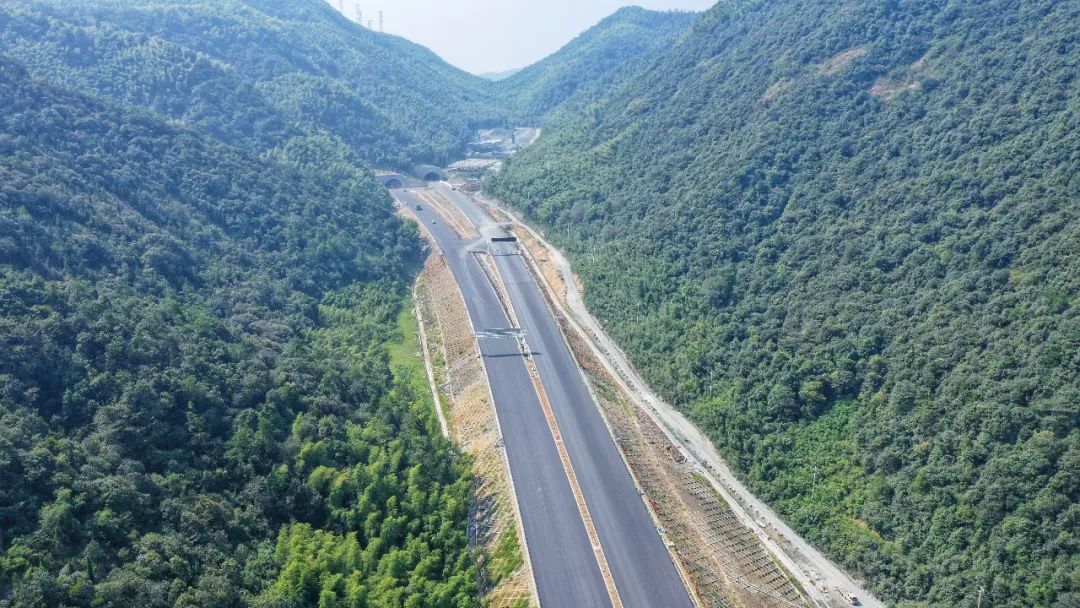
<point x="565" y="564"/>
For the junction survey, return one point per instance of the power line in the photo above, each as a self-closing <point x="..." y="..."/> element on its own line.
<point x="358" y="15"/>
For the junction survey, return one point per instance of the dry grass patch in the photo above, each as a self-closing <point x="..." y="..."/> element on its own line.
<point x="775" y="89"/>
<point x="836" y="64"/>
<point x="910" y="79"/>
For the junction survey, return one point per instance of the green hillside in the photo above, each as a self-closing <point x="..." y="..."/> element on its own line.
<point x="843" y="238"/>
<point x="559" y="86"/>
<point x="197" y="406"/>
<point x="293" y="76"/>
<point x="199" y="288"/>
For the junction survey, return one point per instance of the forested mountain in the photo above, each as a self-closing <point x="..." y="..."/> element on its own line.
<point x="584" y="70"/>
<point x="197" y="405"/>
<point x="843" y="237"/>
<point x="293" y="76"/>
<point x="299" y="79"/>
<point x="200" y="286"/>
<point x="503" y="75"/>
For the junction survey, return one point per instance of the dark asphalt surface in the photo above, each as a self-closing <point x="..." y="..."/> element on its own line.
<point x="641" y="565"/>
<point x="564" y="565"/>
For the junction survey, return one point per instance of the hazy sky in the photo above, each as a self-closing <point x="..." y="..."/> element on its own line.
<point x="496" y="35"/>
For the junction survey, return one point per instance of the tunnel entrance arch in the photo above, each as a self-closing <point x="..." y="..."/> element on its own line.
<point x="391" y="180"/>
<point x="428" y="173"/>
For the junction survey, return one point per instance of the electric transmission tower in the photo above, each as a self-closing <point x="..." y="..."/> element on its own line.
<point x="380" y="22"/>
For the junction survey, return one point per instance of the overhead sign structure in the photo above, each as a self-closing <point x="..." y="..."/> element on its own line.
<point x="497" y="333"/>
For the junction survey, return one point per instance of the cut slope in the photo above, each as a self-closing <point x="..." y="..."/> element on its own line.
<point x="842" y="237"/>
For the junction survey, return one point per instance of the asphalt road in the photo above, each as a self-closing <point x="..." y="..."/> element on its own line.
<point x="790" y="549"/>
<point x="563" y="562"/>
<point x="640" y="563"/>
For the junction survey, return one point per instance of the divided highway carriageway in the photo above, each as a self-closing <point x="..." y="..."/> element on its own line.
<point x="565" y="565"/>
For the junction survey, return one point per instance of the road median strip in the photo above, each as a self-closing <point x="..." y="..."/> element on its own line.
<point x="495" y="278"/>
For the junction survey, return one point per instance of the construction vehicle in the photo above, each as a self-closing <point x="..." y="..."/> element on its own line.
<point x="849" y="597"/>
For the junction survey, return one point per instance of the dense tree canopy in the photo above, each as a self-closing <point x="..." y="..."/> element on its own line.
<point x="843" y="238"/>
<point x="256" y="72"/>
<point x="558" y="87"/>
<point x="199" y="294"/>
<point x="197" y="402"/>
